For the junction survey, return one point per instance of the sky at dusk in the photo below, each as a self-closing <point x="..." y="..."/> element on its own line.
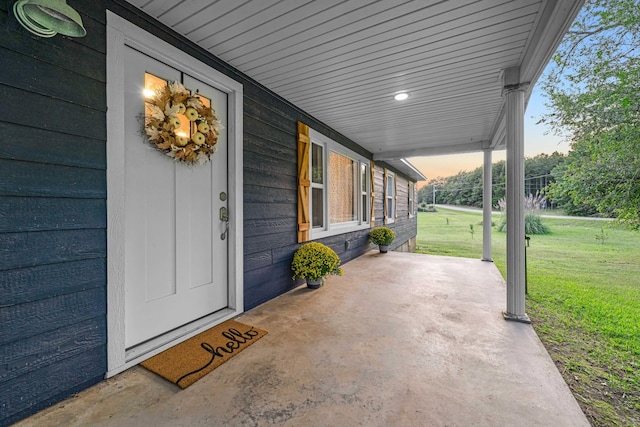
<point x="535" y="140"/>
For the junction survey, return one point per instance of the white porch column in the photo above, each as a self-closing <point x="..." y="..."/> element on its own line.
<point x="487" y="191"/>
<point x="514" y="107"/>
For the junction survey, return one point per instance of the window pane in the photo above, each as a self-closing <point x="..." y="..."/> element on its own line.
<point x="365" y="213"/>
<point x="390" y="197"/>
<point x="363" y="188"/>
<point x="411" y="196"/>
<point x="317" y="215"/>
<point x="151" y="85"/>
<point x="343" y="204"/>
<point x="316" y="164"/>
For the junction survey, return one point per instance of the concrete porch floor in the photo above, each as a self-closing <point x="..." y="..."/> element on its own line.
<point x="399" y="340"/>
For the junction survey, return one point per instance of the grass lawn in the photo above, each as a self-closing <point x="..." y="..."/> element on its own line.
<point x="583" y="300"/>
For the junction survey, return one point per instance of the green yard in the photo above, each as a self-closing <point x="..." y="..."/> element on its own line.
<point x="584" y="301"/>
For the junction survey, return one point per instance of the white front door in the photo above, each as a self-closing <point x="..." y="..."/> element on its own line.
<point x="175" y="243"/>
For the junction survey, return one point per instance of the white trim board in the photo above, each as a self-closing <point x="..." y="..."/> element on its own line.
<point x="121" y="33"/>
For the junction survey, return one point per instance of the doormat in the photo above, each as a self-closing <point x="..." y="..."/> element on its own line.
<point x="187" y="362"/>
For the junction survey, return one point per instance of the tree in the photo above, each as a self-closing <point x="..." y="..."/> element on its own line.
<point x="465" y="188"/>
<point x="425" y="193"/>
<point x="538" y="174"/>
<point x="593" y="87"/>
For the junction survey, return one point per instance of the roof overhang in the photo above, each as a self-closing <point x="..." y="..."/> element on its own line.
<point x="343" y="62"/>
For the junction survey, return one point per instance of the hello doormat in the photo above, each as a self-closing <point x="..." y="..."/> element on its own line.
<point x="191" y="360"/>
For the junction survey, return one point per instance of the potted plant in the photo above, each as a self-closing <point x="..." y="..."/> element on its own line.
<point x="314" y="261"/>
<point x="382" y="236"/>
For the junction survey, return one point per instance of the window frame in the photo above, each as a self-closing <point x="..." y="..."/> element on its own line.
<point x="412" y="196"/>
<point x="365" y="193"/>
<point x="331" y="229"/>
<point x="390" y="197"/>
<point x="315" y="185"/>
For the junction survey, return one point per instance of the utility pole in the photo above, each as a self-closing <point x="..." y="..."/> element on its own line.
<point x="434" y="194"/>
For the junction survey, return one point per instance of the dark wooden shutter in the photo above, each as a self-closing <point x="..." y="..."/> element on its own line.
<point x="304" y="149"/>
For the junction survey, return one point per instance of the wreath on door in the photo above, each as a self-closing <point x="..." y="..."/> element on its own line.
<point x="164" y="111"/>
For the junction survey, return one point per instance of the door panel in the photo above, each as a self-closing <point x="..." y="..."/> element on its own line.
<point x="175" y="259"/>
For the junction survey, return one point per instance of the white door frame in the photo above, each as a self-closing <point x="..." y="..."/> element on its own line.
<point x="121" y="33"/>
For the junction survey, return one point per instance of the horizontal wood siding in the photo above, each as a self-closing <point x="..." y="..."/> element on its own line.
<point x="270" y="176"/>
<point x="53" y="210"/>
<point x="52" y="213"/>
<point x="405" y="227"/>
<point x="270" y="209"/>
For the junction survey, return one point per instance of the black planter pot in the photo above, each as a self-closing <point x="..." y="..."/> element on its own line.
<point x="314" y="284"/>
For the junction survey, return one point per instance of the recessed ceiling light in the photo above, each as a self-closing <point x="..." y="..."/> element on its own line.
<point x="401" y="96"/>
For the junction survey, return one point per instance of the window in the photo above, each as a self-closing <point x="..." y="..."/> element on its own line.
<point x="343" y="194"/>
<point x="411" y="199"/>
<point x="317" y="186"/>
<point x="340" y="188"/>
<point x="390" y="194"/>
<point x="364" y="192"/>
<point x="154" y="83"/>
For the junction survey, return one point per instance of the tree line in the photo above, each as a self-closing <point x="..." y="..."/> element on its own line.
<point x="593" y="91"/>
<point x="465" y="188"/>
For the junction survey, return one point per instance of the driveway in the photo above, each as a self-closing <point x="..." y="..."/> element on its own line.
<point x="479" y="210"/>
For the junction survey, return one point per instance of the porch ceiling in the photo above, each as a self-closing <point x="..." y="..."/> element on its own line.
<point x="342" y="61"/>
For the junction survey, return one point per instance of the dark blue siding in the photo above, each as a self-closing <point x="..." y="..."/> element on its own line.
<point x="404" y="226"/>
<point x="270" y="176"/>
<point x="52" y="213"/>
<point x="53" y="203"/>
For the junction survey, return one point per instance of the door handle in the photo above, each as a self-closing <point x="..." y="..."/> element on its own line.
<point x="224" y="216"/>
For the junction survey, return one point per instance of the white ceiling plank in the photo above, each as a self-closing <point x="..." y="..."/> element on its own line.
<point x="343" y="31"/>
<point x="157" y="8"/>
<point x="429" y="106"/>
<point x="402" y="61"/>
<point x="427" y="90"/>
<point x="455" y="120"/>
<point x="415" y="81"/>
<point x="200" y="13"/>
<point x="450" y="148"/>
<point x="380" y="58"/>
<point x="241" y="20"/>
<point x="395" y="71"/>
<point x="341" y="61"/>
<point x="218" y="26"/>
<point x="418" y="29"/>
<point x="400" y="67"/>
<point x="283" y="27"/>
<point x="139" y="3"/>
<point x="483" y="67"/>
<point x="426" y="112"/>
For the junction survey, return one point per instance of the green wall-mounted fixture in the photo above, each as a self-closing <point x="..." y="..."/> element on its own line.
<point x="46" y="18"/>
